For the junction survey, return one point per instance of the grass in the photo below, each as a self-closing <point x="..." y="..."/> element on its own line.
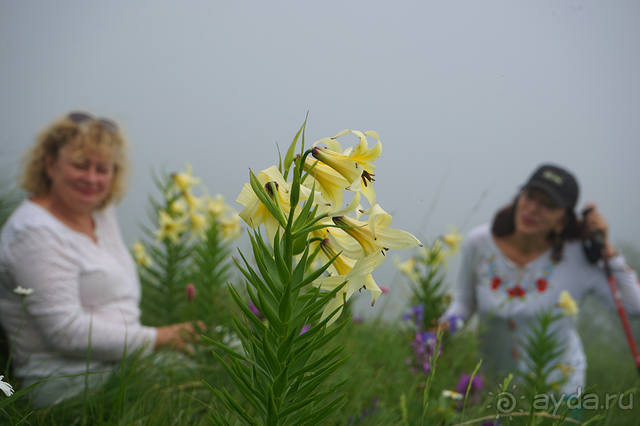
<point x="169" y="388"/>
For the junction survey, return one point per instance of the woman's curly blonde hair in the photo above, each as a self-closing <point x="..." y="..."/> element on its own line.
<point x="90" y="134"/>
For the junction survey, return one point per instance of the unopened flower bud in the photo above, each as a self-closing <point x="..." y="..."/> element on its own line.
<point x="191" y="292"/>
<point x="272" y="188"/>
<point x="304" y="329"/>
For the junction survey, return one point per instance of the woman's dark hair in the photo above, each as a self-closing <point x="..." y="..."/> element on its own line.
<point x="504" y="224"/>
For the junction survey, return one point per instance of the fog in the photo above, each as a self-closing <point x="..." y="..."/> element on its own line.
<point x="468" y="97"/>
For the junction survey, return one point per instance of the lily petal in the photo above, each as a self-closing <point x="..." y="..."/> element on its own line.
<point x="397" y="239"/>
<point x="328" y="181"/>
<point x="342" y="164"/>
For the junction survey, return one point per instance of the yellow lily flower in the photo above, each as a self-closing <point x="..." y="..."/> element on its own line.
<point x="361" y="154"/>
<point x="566" y="302"/>
<point x="365" y="156"/>
<point x="325" y="208"/>
<point x="367" y="189"/>
<point x="170" y="228"/>
<point x="321" y="233"/>
<point x="378" y="218"/>
<point x="358" y="211"/>
<point x="331" y="143"/>
<point x="192" y="201"/>
<point x="453" y="239"/>
<point x="140" y="254"/>
<point x="357" y="274"/>
<point x="198" y="224"/>
<point x="230" y="227"/>
<point x="178" y="207"/>
<point x="349" y="245"/>
<point x="342" y="264"/>
<point x="436" y="255"/>
<point x="342" y="164"/>
<point x="329" y="182"/>
<point x="375" y="235"/>
<point x="255" y="213"/>
<point x="216" y="206"/>
<point x="565" y="369"/>
<point x="185" y="180"/>
<point x="408" y="268"/>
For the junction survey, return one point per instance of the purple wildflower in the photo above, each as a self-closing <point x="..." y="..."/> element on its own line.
<point x="305" y="328"/>
<point x="369" y="410"/>
<point x="416" y="314"/>
<point x="474" y="391"/>
<point x="456" y="322"/>
<point x="372" y="409"/>
<point x="476" y="384"/>
<point x="424" y="342"/>
<point x="423" y="346"/>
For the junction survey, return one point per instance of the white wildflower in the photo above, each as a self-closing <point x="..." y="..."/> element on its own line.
<point x="5" y="387"/>
<point x="22" y="291"/>
<point x="452" y="394"/>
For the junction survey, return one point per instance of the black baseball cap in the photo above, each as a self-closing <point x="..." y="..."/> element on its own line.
<point x="557" y="182"/>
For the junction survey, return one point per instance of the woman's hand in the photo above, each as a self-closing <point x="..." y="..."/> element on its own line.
<point x="179" y="336"/>
<point x="594" y="222"/>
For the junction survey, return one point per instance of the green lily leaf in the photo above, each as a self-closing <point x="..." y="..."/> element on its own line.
<point x="284" y="310"/>
<point x="316" y="274"/>
<point x="288" y="159"/>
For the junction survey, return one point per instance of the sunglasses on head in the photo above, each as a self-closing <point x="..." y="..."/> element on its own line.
<point x="82" y="117"/>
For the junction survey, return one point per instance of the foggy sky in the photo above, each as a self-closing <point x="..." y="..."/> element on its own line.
<point x="468" y="97"/>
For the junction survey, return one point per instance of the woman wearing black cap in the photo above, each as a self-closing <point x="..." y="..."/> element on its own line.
<point x="521" y="264"/>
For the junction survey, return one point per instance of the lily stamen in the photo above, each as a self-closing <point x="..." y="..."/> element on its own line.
<point x="367" y="178"/>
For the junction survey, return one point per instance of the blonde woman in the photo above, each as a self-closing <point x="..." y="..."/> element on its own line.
<point x="70" y="291"/>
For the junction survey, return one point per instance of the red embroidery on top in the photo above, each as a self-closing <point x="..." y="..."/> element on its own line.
<point x="541" y="284"/>
<point x="495" y="283"/>
<point x="516" y="291"/>
<point x="526" y="284"/>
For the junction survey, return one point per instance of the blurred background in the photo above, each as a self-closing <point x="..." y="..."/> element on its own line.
<point x="468" y="97"/>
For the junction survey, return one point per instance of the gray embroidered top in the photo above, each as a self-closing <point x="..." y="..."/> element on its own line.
<point x="506" y="298"/>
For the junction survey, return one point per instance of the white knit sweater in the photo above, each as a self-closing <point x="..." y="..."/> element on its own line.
<point x="85" y="295"/>
<point x="507" y="297"/>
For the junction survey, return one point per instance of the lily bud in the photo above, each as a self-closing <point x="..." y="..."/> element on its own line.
<point x="191" y="292"/>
